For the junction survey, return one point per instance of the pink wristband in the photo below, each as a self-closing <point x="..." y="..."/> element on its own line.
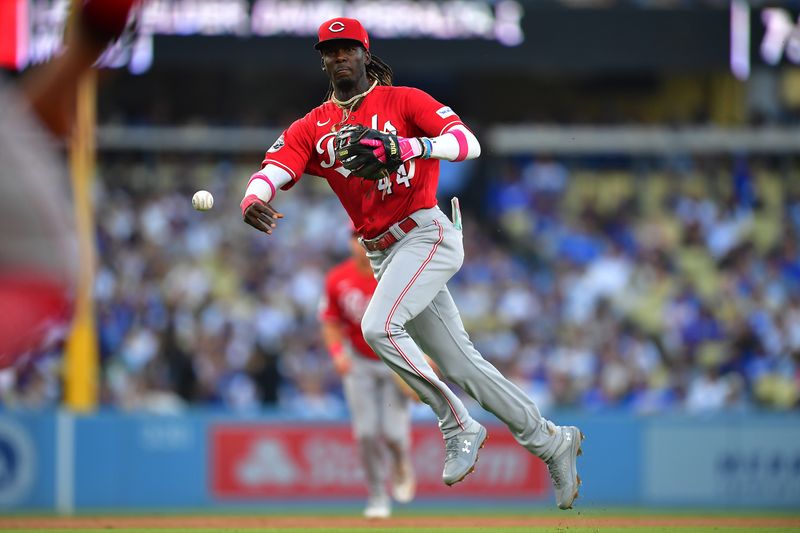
<point x="336" y="350"/>
<point x="249" y="200"/>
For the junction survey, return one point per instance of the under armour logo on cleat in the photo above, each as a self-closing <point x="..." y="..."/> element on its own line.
<point x="467" y="446"/>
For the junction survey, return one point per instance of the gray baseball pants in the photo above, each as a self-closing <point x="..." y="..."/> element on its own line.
<point x="412" y="313"/>
<point x="380" y="417"/>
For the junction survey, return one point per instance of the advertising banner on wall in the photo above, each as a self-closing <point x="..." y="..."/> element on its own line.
<point x="17" y="463"/>
<point x="287" y="462"/>
<point x="751" y="463"/>
<point x="27" y="460"/>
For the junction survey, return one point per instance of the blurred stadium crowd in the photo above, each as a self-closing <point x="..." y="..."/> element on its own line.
<point x="602" y="284"/>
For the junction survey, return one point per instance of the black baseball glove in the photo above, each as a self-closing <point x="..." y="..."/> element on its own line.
<point x="368" y="153"/>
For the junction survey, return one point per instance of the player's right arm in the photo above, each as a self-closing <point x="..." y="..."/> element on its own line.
<point x="256" y="208"/>
<point x="333" y="335"/>
<point x="283" y="165"/>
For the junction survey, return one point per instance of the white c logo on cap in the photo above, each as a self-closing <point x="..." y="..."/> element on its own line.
<point x="336" y="27"/>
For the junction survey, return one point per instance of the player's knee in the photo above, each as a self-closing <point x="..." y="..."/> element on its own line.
<point x="374" y="330"/>
<point x="369" y="439"/>
<point x="455" y="373"/>
<point x="398" y="445"/>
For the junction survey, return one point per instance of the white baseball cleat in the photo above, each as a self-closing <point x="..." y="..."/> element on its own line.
<point x="563" y="467"/>
<point x="378" y="508"/>
<point x="404" y="485"/>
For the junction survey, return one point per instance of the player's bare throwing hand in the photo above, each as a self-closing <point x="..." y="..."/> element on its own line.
<point x="379" y="148"/>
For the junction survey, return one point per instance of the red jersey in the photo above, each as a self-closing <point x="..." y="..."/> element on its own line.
<point x="347" y="295"/>
<point x="307" y="147"/>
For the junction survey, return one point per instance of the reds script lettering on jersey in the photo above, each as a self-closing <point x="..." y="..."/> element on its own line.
<point x="347" y="295"/>
<point x="307" y="147"/>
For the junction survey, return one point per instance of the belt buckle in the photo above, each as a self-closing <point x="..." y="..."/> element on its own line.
<point x="371" y="244"/>
<point x="376" y="244"/>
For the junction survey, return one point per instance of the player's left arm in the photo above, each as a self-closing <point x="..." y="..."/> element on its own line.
<point x="455" y="144"/>
<point x="447" y="137"/>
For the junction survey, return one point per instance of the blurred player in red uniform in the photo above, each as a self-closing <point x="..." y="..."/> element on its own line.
<point x="414" y="249"/>
<point x="38" y="249"/>
<point x="378" y="408"/>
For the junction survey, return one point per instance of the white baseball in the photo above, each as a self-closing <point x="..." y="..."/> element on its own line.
<point x="202" y="201"/>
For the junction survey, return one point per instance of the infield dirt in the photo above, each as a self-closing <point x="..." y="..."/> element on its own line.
<point x="417" y="523"/>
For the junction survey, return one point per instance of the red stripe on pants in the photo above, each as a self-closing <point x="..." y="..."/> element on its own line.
<point x="397" y="304"/>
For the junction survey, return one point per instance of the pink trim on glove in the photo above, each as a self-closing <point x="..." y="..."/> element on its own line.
<point x="249" y="200"/>
<point x="378" y="150"/>
<point x="408" y="148"/>
<point x="463" y="145"/>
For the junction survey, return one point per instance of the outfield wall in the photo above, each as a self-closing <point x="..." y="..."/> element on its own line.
<point x="200" y="460"/>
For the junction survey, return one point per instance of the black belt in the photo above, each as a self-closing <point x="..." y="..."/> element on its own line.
<point x="382" y="242"/>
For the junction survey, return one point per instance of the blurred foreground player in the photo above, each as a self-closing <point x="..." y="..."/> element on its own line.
<point x="38" y="247"/>
<point x="378" y="408"/>
<point x="379" y="148"/>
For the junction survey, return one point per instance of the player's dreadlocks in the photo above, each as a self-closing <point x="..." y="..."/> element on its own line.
<point x="377" y="70"/>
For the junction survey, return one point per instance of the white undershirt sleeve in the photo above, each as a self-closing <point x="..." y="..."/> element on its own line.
<point x="266" y="182"/>
<point x="457" y="144"/>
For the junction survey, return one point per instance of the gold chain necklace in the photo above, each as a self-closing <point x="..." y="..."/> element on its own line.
<point x="348" y="105"/>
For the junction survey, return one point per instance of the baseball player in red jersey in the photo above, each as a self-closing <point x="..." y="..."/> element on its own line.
<point x="38" y="249"/>
<point x="414" y="249"/>
<point x="378" y="408"/>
